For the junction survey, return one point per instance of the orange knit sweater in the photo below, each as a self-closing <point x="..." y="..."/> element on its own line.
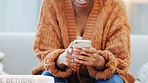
<point x="107" y="27"/>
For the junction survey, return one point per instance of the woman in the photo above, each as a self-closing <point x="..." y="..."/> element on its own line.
<point x="104" y="22"/>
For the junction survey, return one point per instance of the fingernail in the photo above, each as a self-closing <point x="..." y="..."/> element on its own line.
<point x="73" y="55"/>
<point x="74" y="49"/>
<point x="83" y="48"/>
<point x="70" y="50"/>
<point x="75" y="59"/>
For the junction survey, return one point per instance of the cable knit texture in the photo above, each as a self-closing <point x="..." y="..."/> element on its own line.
<point x="107" y="27"/>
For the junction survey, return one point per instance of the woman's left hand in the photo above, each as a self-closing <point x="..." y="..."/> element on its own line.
<point x="89" y="56"/>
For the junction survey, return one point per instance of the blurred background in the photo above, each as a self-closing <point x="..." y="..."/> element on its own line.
<point x="137" y="11"/>
<point x="18" y="21"/>
<point x="19" y="15"/>
<point x="22" y="15"/>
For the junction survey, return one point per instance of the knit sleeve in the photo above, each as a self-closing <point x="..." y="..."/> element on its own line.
<point x="116" y="49"/>
<point x="47" y="45"/>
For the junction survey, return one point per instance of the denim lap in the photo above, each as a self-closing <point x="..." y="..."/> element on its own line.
<point x="57" y="80"/>
<point x="113" y="79"/>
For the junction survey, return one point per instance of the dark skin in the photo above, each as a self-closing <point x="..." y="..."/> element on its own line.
<point x="82" y="13"/>
<point x="73" y="56"/>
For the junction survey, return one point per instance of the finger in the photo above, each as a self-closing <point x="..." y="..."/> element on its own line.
<point x="70" y="50"/>
<point x="85" y="48"/>
<point x="83" y="62"/>
<point x="71" y="45"/>
<point x="77" y="49"/>
<point x="84" y="58"/>
<point x="70" y="62"/>
<point x="86" y="53"/>
<point x="69" y="56"/>
<point x="91" y="49"/>
<point x="76" y="53"/>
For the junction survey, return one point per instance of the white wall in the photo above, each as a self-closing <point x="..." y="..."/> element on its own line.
<point x="138" y="15"/>
<point x="19" y="15"/>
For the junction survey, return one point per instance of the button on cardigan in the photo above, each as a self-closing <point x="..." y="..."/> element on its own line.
<point x="107" y="27"/>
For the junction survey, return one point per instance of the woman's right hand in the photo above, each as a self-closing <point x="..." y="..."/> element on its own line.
<point x="66" y="58"/>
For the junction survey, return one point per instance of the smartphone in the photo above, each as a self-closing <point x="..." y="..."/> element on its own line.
<point x="81" y="43"/>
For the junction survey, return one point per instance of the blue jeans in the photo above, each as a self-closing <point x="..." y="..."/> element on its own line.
<point x="113" y="79"/>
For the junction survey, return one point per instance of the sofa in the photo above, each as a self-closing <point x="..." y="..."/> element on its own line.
<point x="139" y="53"/>
<point x="19" y="57"/>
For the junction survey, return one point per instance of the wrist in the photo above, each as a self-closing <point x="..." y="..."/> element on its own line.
<point x="60" y="59"/>
<point x="101" y="64"/>
<point x="60" y="63"/>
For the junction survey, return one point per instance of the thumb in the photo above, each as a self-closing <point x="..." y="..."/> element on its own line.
<point x="71" y="45"/>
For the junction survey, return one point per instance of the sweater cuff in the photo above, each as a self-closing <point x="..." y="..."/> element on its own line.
<point x="110" y="69"/>
<point x="50" y="64"/>
<point x="37" y="70"/>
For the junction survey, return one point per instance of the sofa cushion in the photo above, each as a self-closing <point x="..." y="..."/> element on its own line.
<point x="19" y="57"/>
<point x="139" y="52"/>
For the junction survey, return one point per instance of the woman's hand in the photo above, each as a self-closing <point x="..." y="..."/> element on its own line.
<point x="89" y="56"/>
<point x="66" y="58"/>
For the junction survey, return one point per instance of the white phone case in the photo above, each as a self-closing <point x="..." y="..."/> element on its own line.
<point x="81" y="43"/>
